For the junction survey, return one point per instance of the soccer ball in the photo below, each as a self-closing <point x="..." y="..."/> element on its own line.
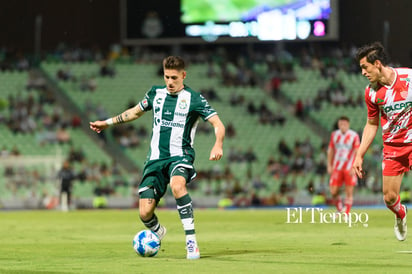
<point x="146" y="243"/>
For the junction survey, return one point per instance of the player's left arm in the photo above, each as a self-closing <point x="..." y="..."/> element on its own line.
<point x="217" y="151"/>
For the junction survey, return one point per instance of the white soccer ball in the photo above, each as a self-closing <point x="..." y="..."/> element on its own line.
<point x="146" y="243"/>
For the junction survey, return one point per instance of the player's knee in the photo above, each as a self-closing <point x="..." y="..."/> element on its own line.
<point x="146" y="208"/>
<point x="390" y="197"/>
<point x="178" y="189"/>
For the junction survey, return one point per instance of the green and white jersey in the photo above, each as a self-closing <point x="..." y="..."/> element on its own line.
<point x="175" y="119"/>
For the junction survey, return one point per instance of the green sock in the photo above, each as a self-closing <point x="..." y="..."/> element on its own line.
<point x="152" y="224"/>
<point x="185" y="209"/>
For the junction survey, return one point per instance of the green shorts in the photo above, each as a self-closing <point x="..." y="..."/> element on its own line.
<point x="157" y="175"/>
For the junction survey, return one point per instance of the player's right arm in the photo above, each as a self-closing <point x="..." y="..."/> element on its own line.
<point x="126" y="116"/>
<point x="331" y="154"/>
<point x="369" y="133"/>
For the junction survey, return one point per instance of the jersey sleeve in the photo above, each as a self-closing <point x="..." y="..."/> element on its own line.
<point x="373" y="109"/>
<point x="203" y="108"/>
<point x="146" y="103"/>
<point x="356" y="141"/>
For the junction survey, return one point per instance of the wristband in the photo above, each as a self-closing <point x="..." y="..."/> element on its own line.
<point x="109" y="121"/>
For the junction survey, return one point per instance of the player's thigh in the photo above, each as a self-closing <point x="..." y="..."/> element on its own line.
<point x="350" y="178"/>
<point x="391" y="186"/>
<point x="336" y="178"/>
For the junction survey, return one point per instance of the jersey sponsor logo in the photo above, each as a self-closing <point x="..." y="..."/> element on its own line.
<point x="398" y="106"/>
<point x="343" y="146"/>
<point x="171" y="124"/>
<point x="180" y="114"/>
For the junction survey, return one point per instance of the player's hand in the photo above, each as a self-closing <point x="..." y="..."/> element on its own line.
<point x="330" y="169"/>
<point x="357" y="167"/>
<point x="98" y="126"/>
<point x="216" y="154"/>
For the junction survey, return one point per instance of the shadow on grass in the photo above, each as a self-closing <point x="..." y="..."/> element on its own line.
<point x="231" y="252"/>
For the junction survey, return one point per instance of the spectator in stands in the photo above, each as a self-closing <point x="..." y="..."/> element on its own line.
<point x="4" y="152"/>
<point x="250" y="155"/>
<point x="274" y="167"/>
<point x="63" y="135"/>
<point x="15" y="151"/>
<point x="230" y="130"/>
<point x="45" y="135"/>
<point x="300" y="109"/>
<point x="106" y="70"/>
<point x="64" y="74"/>
<point x="251" y="109"/>
<point x="235" y="155"/>
<point x="236" y="98"/>
<point x="284" y="149"/>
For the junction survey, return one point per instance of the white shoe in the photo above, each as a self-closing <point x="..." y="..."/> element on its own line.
<point x="161" y="232"/>
<point x="401" y="227"/>
<point x="193" y="252"/>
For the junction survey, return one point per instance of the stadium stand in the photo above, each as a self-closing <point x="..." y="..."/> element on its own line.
<point x="253" y="170"/>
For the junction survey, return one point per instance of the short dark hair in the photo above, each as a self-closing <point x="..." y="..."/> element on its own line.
<point x="344" y="118"/>
<point x="372" y="52"/>
<point x="173" y="62"/>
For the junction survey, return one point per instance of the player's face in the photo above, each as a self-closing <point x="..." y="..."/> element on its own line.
<point x="370" y="71"/>
<point x="174" y="79"/>
<point x="343" y="125"/>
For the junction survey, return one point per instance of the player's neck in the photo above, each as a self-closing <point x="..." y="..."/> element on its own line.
<point x="388" y="76"/>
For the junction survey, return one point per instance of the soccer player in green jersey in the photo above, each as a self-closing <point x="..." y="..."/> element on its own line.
<point x="176" y="111"/>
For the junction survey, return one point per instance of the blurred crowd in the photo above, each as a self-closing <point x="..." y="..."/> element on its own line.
<point x="34" y="111"/>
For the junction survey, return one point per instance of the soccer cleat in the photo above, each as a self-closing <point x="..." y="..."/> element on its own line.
<point x="193" y="252"/>
<point x="161" y="232"/>
<point x="401" y="227"/>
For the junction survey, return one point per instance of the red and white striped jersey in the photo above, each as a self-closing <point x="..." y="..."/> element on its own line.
<point x="344" y="146"/>
<point x="394" y="104"/>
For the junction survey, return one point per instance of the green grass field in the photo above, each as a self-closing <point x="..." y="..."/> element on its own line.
<point x="231" y="241"/>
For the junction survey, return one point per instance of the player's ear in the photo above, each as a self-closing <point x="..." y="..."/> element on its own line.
<point x="377" y="63"/>
<point x="184" y="74"/>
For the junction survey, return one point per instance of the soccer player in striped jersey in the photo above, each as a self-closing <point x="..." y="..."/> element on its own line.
<point x="176" y="110"/>
<point x="343" y="145"/>
<point x="388" y="97"/>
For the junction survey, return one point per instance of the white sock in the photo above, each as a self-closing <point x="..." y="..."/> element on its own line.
<point x="191" y="237"/>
